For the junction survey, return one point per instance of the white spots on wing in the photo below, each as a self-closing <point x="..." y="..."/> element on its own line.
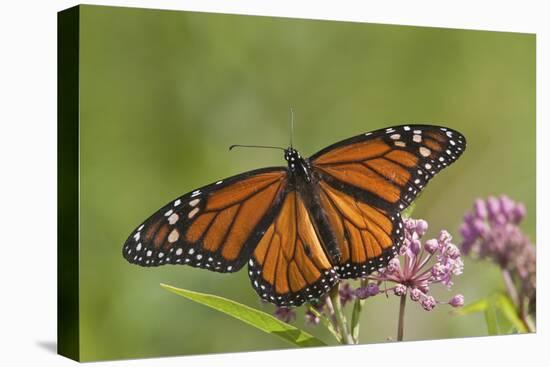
<point x="425" y="152"/>
<point x="251" y="262"/>
<point x="390" y="130"/>
<point x="395" y="136"/>
<point x="179" y="251"/>
<point x="141" y="227"/>
<point x="448" y="152"/>
<point x="173" y="236"/>
<point x="195" y="193"/>
<point x="441" y="159"/>
<point x="136" y="236"/>
<point x="199" y="256"/>
<point x="219" y="182"/>
<point x="449" y="134"/>
<point x="417" y="181"/>
<point x="149" y="253"/>
<point x="168" y="213"/>
<point x="192" y="213"/>
<point x="452" y="142"/>
<point x="138" y="247"/>
<point x="367" y="134"/>
<point x="229" y="268"/>
<point x="406" y="128"/>
<point x="428" y="166"/>
<point x="160" y="255"/>
<point x="173" y="218"/>
<point x="194" y="202"/>
<point x="400" y="143"/>
<point x="417" y="138"/>
<point x="177" y="202"/>
<point x="417" y="132"/>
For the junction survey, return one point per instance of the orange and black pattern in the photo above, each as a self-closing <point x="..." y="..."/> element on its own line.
<point x="289" y="265"/>
<point x="216" y="227"/>
<point x="389" y="167"/>
<point x="304" y="227"/>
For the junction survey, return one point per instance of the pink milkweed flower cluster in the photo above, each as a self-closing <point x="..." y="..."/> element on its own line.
<point x="419" y="266"/>
<point x="491" y="231"/>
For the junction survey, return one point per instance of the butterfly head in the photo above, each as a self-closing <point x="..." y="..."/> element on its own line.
<point x="293" y="158"/>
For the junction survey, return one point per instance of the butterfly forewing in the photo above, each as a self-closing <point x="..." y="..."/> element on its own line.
<point x="388" y="168"/>
<point x="215" y="227"/>
<point x="290" y="266"/>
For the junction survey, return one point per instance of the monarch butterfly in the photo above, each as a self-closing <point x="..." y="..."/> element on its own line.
<point x="302" y="228"/>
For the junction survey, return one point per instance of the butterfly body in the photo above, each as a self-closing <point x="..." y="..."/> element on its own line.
<point x="305" y="181"/>
<point x="304" y="227"/>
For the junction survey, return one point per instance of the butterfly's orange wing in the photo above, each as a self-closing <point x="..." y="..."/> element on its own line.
<point x="290" y="266"/>
<point x="365" y="181"/>
<point x="216" y="227"/>
<point x="368" y="237"/>
<point x="388" y="168"/>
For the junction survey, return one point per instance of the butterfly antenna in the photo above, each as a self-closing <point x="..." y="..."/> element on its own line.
<point x="254" y="146"/>
<point x="291" y="125"/>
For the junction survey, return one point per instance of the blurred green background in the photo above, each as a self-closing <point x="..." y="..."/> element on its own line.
<point x="164" y="93"/>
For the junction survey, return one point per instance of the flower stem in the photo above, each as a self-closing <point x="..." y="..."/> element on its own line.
<point x="356" y="314"/>
<point x="339" y="313"/>
<point x="517" y="300"/>
<point x="510" y="287"/>
<point x="332" y="315"/>
<point x="328" y="324"/>
<point x="401" y="321"/>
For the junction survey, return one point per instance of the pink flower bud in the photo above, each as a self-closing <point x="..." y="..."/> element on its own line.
<point x="452" y="251"/>
<point x="428" y="303"/>
<point x="431" y="246"/>
<point x="480" y="209"/>
<point x="415" y="246"/>
<point x="415" y="294"/>
<point x="394" y="266"/>
<point x="457" y="301"/>
<point x="444" y="237"/>
<point x="421" y="227"/>
<point x="400" y="290"/>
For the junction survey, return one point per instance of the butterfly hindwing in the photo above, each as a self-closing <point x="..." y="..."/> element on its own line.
<point x="290" y="266"/>
<point x="215" y="227"/>
<point x="367" y="237"/>
<point x="388" y="168"/>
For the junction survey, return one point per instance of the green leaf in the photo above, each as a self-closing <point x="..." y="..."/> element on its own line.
<point x="477" y="306"/>
<point x="327" y="324"/>
<point x="496" y="306"/>
<point x="356" y="318"/>
<point x="491" y="319"/>
<point x="485" y="305"/>
<point x="508" y="310"/>
<point x="251" y="316"/>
